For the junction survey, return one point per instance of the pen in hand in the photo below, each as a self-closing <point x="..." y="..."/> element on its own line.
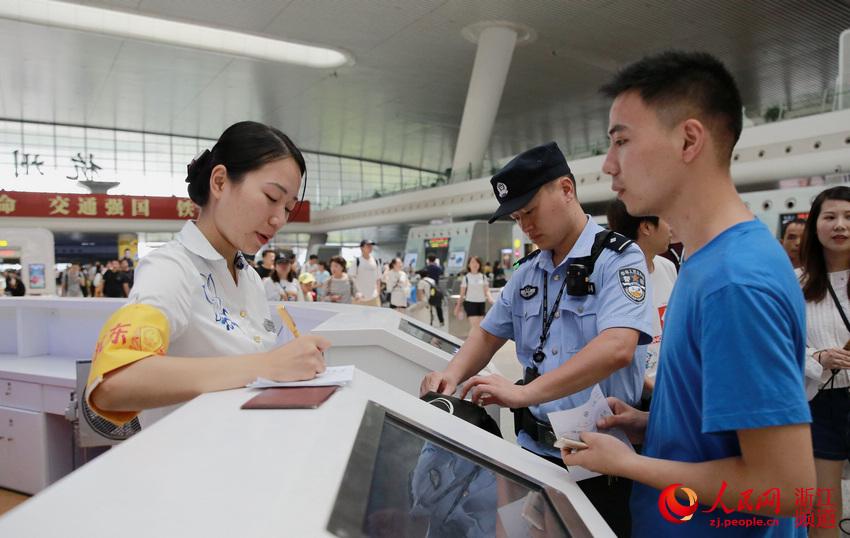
<point x="287" y="320"/>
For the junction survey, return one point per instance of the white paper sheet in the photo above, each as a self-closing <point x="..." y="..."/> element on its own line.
<point x="333" y="375"/>
<point x="570" y="423"/>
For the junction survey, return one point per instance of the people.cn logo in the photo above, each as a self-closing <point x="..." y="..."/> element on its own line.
<point x="670" y="507"/>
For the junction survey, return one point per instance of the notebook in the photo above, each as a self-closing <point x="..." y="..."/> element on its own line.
<point x="290" y="398"/>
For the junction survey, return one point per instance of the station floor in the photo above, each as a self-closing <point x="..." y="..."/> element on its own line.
<point x="9" y="500"/>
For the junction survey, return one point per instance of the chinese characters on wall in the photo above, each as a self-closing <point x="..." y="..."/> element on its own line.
<point x="26" y="162"/>
<point x="44" y="204"/>
<point x="40" y="204"/>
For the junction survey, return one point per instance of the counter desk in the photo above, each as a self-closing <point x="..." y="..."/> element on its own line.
<point x="213" y="469"/>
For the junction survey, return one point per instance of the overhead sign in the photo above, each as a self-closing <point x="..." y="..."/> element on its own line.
<point x="437" y="242"/>
<point x="105" y="206"/>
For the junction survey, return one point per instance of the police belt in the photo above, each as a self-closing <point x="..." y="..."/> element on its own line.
<point x="541" y="432"/>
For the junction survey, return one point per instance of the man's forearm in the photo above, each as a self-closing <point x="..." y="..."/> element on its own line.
<point x="707" y="480"/>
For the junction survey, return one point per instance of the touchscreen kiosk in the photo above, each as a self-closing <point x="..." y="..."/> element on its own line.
<point x="429" y="337"/>
<point x="404" y="480"/>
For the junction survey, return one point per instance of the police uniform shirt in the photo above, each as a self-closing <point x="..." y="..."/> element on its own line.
<point x="185" y="303"/>
<point x="620" y="301"/>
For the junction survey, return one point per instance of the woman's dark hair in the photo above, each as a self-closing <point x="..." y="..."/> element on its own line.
<point x="469" y="261"/>
<point x="241" y="148"/>
<point x="324" y="265"/>
<point x="814" y="276"/>
<point x="341" y="261"/>
<point x="620" y="221"/>
<point x="289" y="277"/>
<point x="400" y="263"/>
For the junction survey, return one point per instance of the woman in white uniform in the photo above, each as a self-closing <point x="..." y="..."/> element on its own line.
<point x="197" y="319"/>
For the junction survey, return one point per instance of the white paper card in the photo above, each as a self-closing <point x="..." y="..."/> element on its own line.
<point x="333" y="375"/>
<point x="570" y="423"/>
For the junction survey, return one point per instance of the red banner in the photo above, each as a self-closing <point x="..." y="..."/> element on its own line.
<point x="105" y="206"/>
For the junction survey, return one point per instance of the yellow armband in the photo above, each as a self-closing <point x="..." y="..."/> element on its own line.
<point x="132" y="333"/>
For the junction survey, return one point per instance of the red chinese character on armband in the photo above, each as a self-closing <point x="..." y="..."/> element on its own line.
<point x="719" y="501"/>
<point x="119" y="331"/>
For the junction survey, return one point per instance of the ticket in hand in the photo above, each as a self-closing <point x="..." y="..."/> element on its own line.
<point x="564" y="442"/>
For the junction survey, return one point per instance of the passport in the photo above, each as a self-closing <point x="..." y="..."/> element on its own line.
<point x="290" y="398"/>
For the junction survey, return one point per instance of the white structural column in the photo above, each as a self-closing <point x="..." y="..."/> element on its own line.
<point x="843" y="89"/>
<point x="496" y="42"/>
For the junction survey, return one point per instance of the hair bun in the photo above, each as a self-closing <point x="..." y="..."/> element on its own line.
<point x="198" y="163"/>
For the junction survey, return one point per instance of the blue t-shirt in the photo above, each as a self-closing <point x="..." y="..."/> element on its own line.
<point x="732" y="359"/>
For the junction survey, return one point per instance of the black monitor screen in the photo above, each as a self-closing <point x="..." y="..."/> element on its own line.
<point x="428" y="337"/>
<point x="401" y="481"/>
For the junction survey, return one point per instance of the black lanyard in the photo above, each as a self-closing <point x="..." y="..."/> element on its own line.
<point x="539" y="355"/>
<point x="831" y="380"/>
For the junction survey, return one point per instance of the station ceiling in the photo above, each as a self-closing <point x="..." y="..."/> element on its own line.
<point x="402" y="100"/>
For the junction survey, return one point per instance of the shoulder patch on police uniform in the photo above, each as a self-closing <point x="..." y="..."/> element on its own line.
<point x="633" y="283"/>
<point x="268" y="325"/>
<point x="528" y="292"/>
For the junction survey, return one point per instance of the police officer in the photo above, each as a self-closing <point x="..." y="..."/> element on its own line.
<point x="577" y="310"/>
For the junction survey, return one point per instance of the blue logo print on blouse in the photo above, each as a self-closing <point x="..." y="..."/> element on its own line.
<point x="221" y="315"/>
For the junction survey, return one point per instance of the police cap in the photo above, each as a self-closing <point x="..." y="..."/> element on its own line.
<point x="519" y="180"/>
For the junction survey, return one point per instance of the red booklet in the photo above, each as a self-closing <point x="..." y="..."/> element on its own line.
<point x="290" y="398"/>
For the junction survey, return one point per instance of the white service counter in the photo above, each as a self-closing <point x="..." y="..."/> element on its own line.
<point x="41" y="339"/>
<point x="212" y="469"/>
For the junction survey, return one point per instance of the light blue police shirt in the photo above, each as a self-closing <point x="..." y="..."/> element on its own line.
<point x="622" y="299"/>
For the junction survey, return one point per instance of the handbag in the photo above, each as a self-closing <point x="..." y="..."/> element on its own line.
<point x="464" y="410"/>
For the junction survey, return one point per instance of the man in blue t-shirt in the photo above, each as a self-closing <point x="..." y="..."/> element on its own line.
<point x="728" y="427"/>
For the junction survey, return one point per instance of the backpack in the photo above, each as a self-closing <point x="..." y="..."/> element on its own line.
<point x="435" y="296"/>
<point x="357" y="263"/>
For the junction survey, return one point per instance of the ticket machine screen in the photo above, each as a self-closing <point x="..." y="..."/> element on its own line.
<point x="432" y="338"/>
<point x="421" y="487"/>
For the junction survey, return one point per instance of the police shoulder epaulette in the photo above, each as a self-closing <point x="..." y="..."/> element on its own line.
<point x="529" y="257"/>
<point x="614" y="241"/>
<point x="617" y="242"/>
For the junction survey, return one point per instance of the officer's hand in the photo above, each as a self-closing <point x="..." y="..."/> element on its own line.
<point x="627" y="418"/>
<point x="495" y="389"/>
<point x="604" y="454"/>
<point x="438" y="382"/>
<point x="835" y="358"/>
<point x="298" y="360"/>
